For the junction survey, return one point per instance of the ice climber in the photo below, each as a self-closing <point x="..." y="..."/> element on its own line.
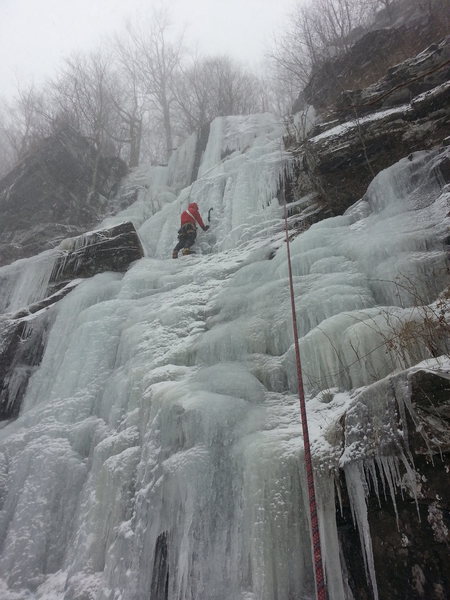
<point x="188" y="230"/>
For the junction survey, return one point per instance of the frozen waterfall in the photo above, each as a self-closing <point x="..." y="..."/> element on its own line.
<point x="158" y="452"/>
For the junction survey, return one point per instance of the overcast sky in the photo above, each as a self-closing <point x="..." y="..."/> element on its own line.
<point x="36" y="34"/>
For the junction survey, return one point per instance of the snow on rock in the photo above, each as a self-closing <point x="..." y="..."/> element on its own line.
<point x="109" y="249"/>
<point x="355" y="123"/>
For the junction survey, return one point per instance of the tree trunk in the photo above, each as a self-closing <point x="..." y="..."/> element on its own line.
<point x="167" y="127"/>
<point x="98" y="150"/>
<point x="135" y="142"/>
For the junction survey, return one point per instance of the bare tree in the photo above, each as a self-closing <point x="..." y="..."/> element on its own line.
<point x="279" y="94"/>
<point x="215" y="86"/>
<point x="192" y="95"/>
<point x="318" y="29"/>
<point x="128" y="97"/>
<point x="134" y="98"/>
<point x="7" y="158"/>
<point x="81" y="96"/>
<point x="156" y="58"/>
<point x="25" y="120"/>
<point x="233" y="88"/>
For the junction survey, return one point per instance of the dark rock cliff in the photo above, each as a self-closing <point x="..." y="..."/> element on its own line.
<point x="109" y="249"/>
<point x="398" y="33"/>
<point x="59" y="190"/>
<point x="340" y="157"/>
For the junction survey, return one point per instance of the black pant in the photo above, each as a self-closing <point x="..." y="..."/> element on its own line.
<point x="186" y="236"/>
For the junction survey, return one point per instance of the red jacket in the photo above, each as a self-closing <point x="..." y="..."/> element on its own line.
<point x="194" y="216"/>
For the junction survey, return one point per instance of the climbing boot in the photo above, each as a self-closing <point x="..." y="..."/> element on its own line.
<point x="174" y="254"/>
<point x="186" y="251"/>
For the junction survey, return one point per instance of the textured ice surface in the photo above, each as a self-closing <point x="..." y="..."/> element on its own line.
<point x="25" y="281"/>
<point x="159" y="442"/>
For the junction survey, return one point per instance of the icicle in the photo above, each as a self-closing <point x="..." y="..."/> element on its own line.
<point x="358" y="492"/>
<point x="329" y="537"/>
<point x="338" y="492"/>
<point x="26" y="280"/>
<point x="372" y="472"/>
<point x="388" y="467"/>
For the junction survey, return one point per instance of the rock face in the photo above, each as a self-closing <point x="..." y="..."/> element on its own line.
<point x="22" y="343"/>
<point x="401" y="83"/>
<point x="112" y="249"/>
<point x="393" y="38"/>
<point x="341" y="157"/>
<point x="58" y="190"/>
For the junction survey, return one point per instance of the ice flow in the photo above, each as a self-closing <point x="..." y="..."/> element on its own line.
<point x="158" y="452"/>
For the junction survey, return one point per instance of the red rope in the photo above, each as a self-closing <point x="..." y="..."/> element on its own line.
<point x="321" y="591"/>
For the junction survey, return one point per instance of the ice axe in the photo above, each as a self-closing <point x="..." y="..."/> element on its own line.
<point x="209" y="215"/>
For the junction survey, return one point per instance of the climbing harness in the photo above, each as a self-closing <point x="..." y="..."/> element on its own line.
<point x="321" y="591"/>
